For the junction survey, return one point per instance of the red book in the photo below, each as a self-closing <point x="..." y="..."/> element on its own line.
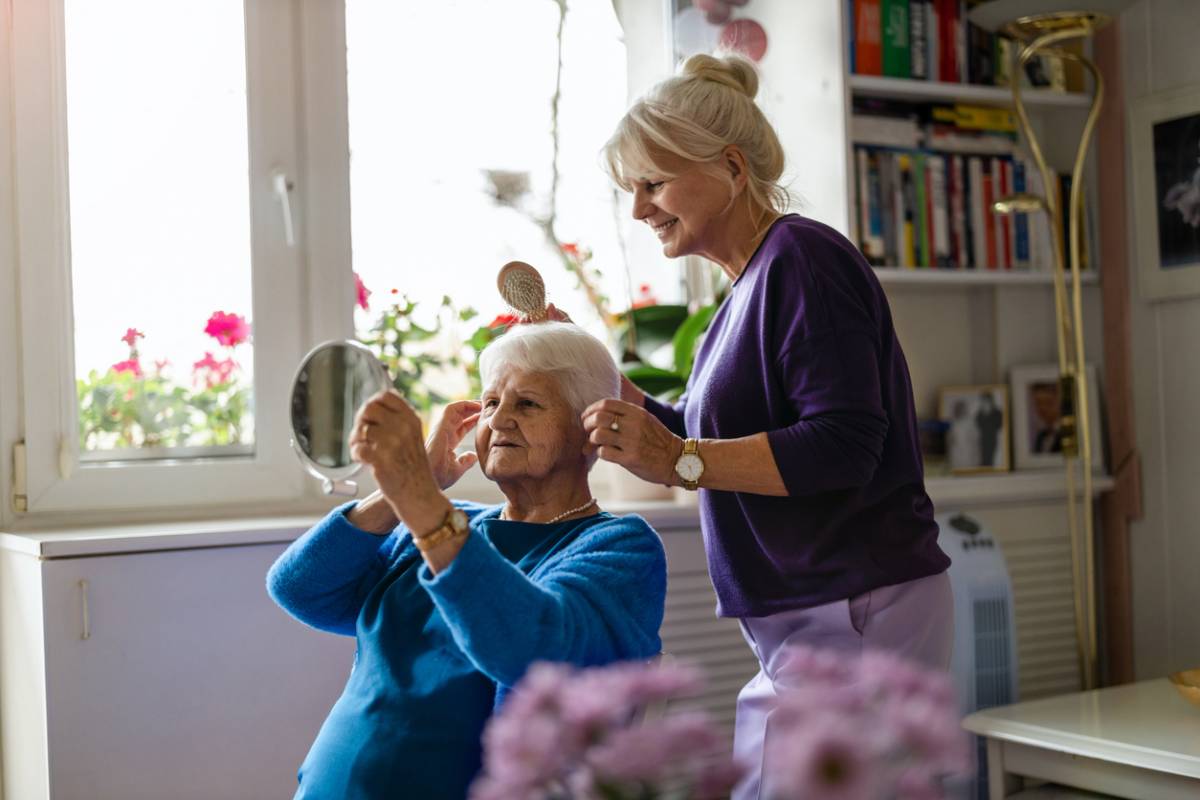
<point x="1007" y="220"/>
<point x="947" y="33"/>
<point x="989" y="217"/>
<point x="868" y="41"/>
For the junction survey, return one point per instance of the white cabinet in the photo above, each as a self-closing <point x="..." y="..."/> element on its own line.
<point x="158" y="675"/>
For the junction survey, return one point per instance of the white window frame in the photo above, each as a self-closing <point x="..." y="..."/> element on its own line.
<point x="297" y="117"/>
<point x="55" y="478"/>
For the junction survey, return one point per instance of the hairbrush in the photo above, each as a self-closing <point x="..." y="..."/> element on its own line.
<point x="523" y="290"/>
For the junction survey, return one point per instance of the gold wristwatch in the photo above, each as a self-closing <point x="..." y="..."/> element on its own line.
<point x="689" y="466"/>
<point x="454" y="526"/>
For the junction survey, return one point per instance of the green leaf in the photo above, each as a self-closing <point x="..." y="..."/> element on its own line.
<point x="688" y="336"/>
<point x="655" y="327"/>
<point x="654" y="380"/>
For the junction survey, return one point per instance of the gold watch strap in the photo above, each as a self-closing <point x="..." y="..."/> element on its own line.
<point x="690" y="447"/>
<point x="439" y="536"/>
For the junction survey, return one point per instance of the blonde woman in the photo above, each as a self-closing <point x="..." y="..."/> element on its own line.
<point x="797" y="425"/>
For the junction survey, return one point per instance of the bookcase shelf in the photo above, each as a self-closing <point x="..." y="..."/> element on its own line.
<point x="933" y="91"/>
<point x="928" y="277"/>
<point x="1006" y="487"/>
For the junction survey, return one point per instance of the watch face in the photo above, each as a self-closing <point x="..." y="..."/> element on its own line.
<point x="689" y="466"/>
<point x="458" y="520"/>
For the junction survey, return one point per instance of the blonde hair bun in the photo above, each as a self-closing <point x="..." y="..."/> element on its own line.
<point x="734" y="71"/>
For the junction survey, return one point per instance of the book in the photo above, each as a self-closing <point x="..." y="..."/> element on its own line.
<point x="918" y="39"/>
<point x="868" y="50"/>
<point x="987" y="197"/>
<point x="886" y="131"/>
<point x="979" y="258"/>
<point x="939" y="212"/>
<point x="947" y="18"/>
<point x="907" y="243"/>
<point x="920" y="210"/>
<point x="896" y="51"/>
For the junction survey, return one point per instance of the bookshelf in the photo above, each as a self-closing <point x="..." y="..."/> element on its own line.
<point x="963" y="325"/>
<point x="933" y="278"/>
<point x="934" y="91"/>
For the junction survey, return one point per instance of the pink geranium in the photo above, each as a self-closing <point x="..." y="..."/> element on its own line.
<point x="362" y="293"/>
<point x="129" y="365"/>
<point x="131" y="336"/>
<point x="229" y="330"/>
<point x="213" y="372"/>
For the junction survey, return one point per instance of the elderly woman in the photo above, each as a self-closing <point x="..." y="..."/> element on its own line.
<point x="451" y="601"/>
<point x="797" y="424"/>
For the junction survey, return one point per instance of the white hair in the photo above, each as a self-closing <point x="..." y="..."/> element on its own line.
<point x="585" y="369"/>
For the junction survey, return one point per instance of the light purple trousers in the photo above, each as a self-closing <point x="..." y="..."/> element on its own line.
<point x="913" y="619"/>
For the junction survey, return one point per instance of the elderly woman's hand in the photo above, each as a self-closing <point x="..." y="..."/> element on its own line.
<point x="387" y="438"/>
<point x="631" y="436"/>
<point x="457" y="420"/>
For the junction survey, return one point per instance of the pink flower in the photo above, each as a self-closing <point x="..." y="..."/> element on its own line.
<point x="229" y="330"/>
<point x="161" y="364"/>
<point x="213" y="372"/>
<point x="362" y="292"/>
<point x="129" y="365"/>
<point x="824" y="759"/>
<point x="571" y="249"/>
<point x="131" y="336"/>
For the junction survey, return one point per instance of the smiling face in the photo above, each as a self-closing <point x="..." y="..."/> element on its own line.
<point x="527" y="430"/>
<point x="686" y="205"/>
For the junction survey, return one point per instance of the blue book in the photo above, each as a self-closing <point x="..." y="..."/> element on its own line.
<point x="1021" y="255"/>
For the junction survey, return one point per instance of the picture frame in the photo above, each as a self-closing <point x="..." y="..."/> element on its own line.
<point x="978" y="425"/>
<point x="1035" y="398"/>
<point x="1164" y="135"/>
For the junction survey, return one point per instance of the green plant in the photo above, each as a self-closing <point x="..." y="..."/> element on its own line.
<point x="126" y="407"/>
<point x="653" y="328"/>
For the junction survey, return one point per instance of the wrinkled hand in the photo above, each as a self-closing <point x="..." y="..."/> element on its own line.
<point x="640" y="443"/>
<point x="387" y="438"/>
<point x="448" y="433"/>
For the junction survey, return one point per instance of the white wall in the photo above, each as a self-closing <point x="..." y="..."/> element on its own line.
<point x="1158" y="43"/>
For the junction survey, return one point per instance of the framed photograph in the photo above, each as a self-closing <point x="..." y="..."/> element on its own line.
<point x="1164" y="134"/>
<point x="977" y="428"/>
<point x="1037" y="437"/>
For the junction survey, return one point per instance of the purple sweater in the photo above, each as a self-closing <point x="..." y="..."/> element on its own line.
<point x="804" y="349"/>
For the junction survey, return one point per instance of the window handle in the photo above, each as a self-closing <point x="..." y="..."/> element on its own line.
<point x="283" y="188"/>
<point x="86" y="633"/>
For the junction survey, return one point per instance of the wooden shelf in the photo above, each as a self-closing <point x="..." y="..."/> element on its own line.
<point x="974" y="491"/>
<point x="917" y="91"/>
<point x="927" y="277"/>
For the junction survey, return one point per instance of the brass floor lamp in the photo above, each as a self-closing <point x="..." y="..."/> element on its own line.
<point x="1041" y="27"/>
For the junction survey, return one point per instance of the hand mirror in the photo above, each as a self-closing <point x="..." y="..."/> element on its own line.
<point x="333" y="382"/>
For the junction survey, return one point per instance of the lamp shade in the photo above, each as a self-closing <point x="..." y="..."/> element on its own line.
<point x="994" y="15"/>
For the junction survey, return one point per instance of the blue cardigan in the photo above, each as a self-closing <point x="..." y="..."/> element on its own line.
<point x="436" y="654"/>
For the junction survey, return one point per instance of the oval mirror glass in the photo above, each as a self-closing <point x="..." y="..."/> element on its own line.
<point x="332" y="383"/>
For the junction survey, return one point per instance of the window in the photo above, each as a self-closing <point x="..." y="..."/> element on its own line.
<point x="146" y="139"/>
<point x="462" y="158"/>
<point x="158" y="202"/>
<point x="182" y="166"/>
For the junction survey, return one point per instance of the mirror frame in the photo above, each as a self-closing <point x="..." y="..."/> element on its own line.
<point x="334" y="480"/>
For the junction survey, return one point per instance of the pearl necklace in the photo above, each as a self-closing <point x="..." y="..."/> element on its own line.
<point x="564" y="515"/>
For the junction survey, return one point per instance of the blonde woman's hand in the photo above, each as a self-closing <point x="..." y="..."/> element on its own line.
<point x="631" y="436"/>
<point x="387" y="438"/>
<point x="457" y="421"/>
